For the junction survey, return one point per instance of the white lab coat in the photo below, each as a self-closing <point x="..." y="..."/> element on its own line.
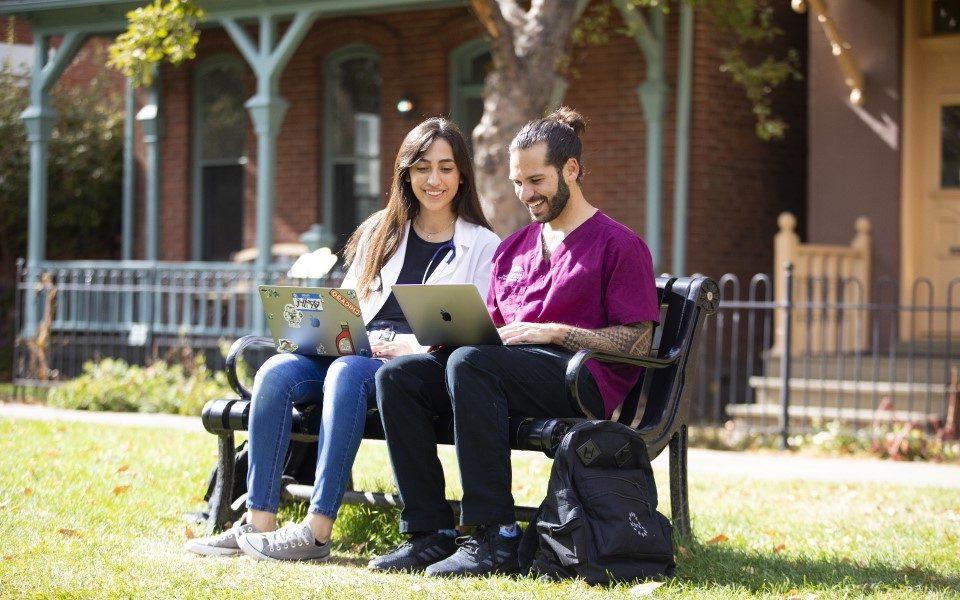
<point x="471" y="263"/>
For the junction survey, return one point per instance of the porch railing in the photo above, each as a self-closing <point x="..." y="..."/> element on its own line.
<point x="134" y="310"/>
<point x="826" y="274"/>
<point x="897" y="373"/>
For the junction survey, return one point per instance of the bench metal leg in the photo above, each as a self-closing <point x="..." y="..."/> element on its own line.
<point x="679" y="505"/>
<point x="381" y="500"/>
<point x="221" y="512"/>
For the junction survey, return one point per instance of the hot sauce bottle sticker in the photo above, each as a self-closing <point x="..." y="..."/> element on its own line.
<point x="345" y="341"/>
<point x="353" y="308"/>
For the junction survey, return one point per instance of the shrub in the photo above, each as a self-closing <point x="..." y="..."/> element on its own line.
<point x="891" y="440"/>
<point x="112" y="384"/>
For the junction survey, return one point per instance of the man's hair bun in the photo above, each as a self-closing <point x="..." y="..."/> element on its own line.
<point x="570" y="117"/>
<point x="560" y="131"/>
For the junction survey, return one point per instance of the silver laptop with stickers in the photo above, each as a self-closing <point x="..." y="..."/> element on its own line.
<point x="315" y="321"/>
<point x="447" y="314"/>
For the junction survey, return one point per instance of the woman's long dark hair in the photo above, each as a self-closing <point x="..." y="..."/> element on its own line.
<point x="403" y="206"/>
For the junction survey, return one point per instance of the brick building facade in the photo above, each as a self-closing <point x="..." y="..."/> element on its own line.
<point x="738" y="183"/>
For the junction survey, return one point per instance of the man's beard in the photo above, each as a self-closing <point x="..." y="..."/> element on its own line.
<point x="557" y="203"/>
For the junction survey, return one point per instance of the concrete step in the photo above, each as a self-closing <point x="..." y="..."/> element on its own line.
<point x="918" y="369"/>
<point x="757" y="414"/>
<point x="841" y="394"/>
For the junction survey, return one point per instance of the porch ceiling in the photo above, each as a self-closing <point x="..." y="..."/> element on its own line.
<point x="106" y="16"/>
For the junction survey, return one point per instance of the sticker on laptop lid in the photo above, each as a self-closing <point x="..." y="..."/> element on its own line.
<point x="292" y="315"/>
<point x="353" y="308"/>
<point x="344" y="341"/>
<point x="271" y="292"/>
<point x="308" y="302"/>
<point x="285" y="345"/>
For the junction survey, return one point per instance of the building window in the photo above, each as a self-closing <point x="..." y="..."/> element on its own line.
<point x="950" y="146"/>
<point x="351" y="173"/>
<point x="946" y="16"/>
<point x="469" y="64"/>
<point x="220" y="130"/>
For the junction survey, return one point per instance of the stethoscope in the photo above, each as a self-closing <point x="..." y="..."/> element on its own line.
<point x="438" y="257"/>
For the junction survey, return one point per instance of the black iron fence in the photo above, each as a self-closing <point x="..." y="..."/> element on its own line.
<point x="822" y="350"/>
<point x="829" y="350"/>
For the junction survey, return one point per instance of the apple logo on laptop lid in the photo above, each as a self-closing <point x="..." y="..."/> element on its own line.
<point x="445" y="315"/>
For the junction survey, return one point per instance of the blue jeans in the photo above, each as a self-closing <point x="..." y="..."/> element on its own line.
<point x="346" y="388"/>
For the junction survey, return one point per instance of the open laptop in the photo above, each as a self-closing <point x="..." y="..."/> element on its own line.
<point x="447" y="314"/>
<point x="315" y="321"/>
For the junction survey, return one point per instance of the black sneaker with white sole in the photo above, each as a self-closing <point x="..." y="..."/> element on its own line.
<point x="483" y="553"/>
<point x="416" y="554"/>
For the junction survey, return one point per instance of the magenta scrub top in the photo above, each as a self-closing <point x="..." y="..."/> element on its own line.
<point x="600" y="275"/>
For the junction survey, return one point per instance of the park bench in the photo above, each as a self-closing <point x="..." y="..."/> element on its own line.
<point x="684" y="303"/>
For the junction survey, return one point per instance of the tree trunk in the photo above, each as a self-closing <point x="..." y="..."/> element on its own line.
<point x="507" y="106"/>
<point x="528" y="49"/>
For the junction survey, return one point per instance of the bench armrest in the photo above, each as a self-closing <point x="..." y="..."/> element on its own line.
<point x="236" y="351"/>
<point x="580" y="359"/>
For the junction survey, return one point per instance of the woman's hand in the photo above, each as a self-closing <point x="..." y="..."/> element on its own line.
<point x="391" y="349"/>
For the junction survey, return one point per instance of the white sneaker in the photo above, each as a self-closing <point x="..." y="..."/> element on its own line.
<point x="293" y="542"/>
<point x="222" y="544"/>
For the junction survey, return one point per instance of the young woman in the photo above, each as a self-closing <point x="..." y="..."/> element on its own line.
<point x="432" y="231"/>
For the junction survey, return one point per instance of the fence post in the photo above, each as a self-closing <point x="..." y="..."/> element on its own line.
<point x="785" y="355"/>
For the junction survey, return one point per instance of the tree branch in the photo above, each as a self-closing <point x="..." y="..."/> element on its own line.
<point x="500" y="26"/>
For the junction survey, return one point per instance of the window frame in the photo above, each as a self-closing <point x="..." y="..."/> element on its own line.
<point x="461" y="58"/>
<point x="217" y="61"/>
<point x="331" y="64"/>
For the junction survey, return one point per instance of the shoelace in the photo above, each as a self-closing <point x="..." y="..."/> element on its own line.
<point x="406" y="544"/>
<point x="471" y="543"/>
<point x="230" y="534"/>
<point x="291" y="535"/>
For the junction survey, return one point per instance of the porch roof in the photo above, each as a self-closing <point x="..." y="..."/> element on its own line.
<point x="104" y="16"/>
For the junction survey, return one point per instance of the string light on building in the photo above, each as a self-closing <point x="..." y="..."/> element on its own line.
<point x="840" y="49"/>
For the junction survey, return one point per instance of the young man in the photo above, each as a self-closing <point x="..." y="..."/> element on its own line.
<point x="572" y="279"/>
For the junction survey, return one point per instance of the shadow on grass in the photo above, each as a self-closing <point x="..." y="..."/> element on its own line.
<point x="356" y="562"/>
<point x="756" y="571"/>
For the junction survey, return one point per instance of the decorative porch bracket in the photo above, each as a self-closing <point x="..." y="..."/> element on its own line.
<point x="39" y="119"/>
<point x="648" y="32"/>
<point x="267" y="109"/>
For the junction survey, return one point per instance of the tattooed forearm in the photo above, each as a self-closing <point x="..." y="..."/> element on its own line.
<point x="633" y="339"/>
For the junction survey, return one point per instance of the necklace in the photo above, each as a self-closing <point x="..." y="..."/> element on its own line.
<point x="430" y="234"/>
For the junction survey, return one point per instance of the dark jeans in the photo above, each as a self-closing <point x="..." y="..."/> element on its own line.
<point x="481" y="386"/>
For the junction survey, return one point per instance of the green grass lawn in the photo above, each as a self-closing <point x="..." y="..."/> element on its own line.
<point x="93" y="511"/>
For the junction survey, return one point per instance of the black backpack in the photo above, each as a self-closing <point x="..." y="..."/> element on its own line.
<point x="299" y="467"/>
<point x="599" y="520"/>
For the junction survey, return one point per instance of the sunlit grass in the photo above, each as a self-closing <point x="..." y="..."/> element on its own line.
<point x="94" y="511"/>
